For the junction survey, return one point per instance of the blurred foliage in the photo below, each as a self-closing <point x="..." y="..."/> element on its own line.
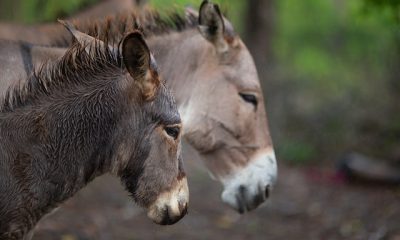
<point x="335" y="48"/>
<point x="332" y="59"/>
<point x="390" y="5"/>
<point x="30" y="11"/>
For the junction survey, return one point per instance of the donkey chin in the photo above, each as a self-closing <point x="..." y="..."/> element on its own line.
<point x="247" y="188"/>
<point x="170" y="206"/>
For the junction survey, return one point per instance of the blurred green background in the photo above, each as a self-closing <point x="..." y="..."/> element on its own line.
<point x="330" y="69"/>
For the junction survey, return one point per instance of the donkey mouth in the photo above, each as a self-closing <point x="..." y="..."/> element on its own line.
<point x="169" y="219"/>
<point x="248" y="188"/>
<point x="170" y="206"/>
<point x="246" y="198"/>
<point x="168" y="215"/>
<point x="244" y="204"/>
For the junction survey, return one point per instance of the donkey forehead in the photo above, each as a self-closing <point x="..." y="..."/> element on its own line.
<point x="165" y="106"/>
<point x="239" y="69"/>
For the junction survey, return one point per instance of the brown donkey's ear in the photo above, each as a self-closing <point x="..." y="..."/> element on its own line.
<point x="211" y="25"/>
<point x="138" y="61"/>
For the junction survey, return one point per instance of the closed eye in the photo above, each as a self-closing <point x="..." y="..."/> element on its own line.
<point x="250" y="98"/>
<point x="172" y="131"/>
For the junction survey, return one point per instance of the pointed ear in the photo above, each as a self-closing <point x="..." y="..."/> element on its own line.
<point x="191" y="14"/>
<point x="140" y="64"/>
<point x="82" y="38"/>
<point x="211" y="25"/>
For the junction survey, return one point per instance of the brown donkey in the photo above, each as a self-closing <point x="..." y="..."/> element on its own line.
<point x="96" y="110"/>
<point x="217" y="90"/>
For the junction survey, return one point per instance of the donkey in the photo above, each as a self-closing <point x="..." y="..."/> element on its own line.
<point x="220" y="98"/>
<point x="95" y="110"/>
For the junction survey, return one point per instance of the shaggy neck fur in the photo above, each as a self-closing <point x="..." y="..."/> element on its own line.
<point x="55" y="135"/>
<point x="148" y="21"/>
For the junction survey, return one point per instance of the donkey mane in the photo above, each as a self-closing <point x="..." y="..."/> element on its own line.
<point x="149" y="21"/>
<point x="80" y="64"/>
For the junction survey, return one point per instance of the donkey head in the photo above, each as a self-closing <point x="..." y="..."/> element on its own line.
<point x="159" y="182"/>
<point x="228" y="125"/>
<point x="147" y="141"/>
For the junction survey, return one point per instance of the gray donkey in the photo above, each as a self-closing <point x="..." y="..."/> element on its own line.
<point x="95" y="110"/>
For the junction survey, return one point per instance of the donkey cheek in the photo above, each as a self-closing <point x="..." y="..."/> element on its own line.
<point x="123" y="154"/>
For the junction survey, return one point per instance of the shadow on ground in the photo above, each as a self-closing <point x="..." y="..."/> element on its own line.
<point x="306" y="204"/>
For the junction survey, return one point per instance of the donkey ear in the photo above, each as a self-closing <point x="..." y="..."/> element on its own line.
<point x="138" y="61"/>
<point x="80" y="37"/>
<point x="211" y="25"/>
<point x="191" y="14"/>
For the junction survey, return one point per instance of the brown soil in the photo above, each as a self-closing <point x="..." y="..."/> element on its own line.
<point x="307" y="203"/>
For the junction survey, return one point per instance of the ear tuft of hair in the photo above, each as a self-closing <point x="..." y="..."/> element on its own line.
<point x="137" y="59"/>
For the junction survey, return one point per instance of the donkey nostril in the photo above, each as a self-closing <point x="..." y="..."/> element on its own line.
<point x="267" y="191"/>
<point x="242" y="191"/>
<point x="241" y="199"/>
<point x="183" y="208"/>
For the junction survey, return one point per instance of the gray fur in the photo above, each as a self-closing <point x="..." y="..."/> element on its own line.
<point x="73" y="120"/>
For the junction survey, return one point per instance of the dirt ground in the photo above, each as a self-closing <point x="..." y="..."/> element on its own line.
<point x="307" y="203"/>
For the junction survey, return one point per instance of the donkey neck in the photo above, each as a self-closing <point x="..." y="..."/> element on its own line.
<point x="71" y="132"/>
<point x="50" y="150"/>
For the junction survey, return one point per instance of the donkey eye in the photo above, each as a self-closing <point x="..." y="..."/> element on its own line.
<point x="250" y="98"/>
<point x="172" y="131"/>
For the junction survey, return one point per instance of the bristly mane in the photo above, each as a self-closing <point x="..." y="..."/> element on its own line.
<point x="79" y="65"/>
<point x="150" y="22"/>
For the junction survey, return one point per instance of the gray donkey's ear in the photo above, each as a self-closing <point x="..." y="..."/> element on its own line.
<point x="211" y="25"/>
<point x="82" y="38"/>
<point x="191" y="14"/>
<point x="140" y="64"/>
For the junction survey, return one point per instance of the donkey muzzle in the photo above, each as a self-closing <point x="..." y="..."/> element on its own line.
<point x="170" y="206"/>
<point x="249" y="187"/>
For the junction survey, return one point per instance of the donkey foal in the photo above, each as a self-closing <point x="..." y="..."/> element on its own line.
<point x="98" y="109"/>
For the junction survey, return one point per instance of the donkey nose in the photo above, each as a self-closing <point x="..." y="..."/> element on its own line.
<point x="171" y="218"/>
<point x="267" y="189"/>
<point x="247" y="200"/>
<point x="247" y="188"/>
<point x="171" y="205"/>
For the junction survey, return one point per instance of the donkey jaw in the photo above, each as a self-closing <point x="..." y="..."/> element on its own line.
<point x="170" y="206"/>
<point x="247" y="188"/>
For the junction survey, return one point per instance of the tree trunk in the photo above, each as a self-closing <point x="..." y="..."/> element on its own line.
<point x="259" y="33"/>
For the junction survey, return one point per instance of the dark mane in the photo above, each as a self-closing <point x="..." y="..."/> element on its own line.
<point x="79" y="65"/>
<point x="149" y="21"/>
